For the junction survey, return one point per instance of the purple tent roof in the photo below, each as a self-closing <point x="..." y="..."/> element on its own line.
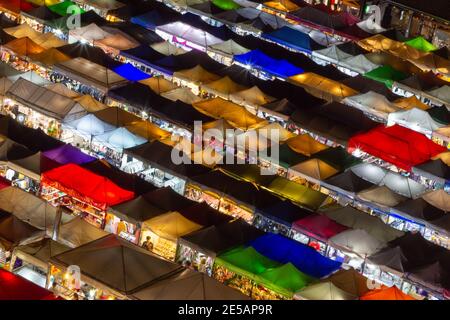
<point x="68" y="154"/>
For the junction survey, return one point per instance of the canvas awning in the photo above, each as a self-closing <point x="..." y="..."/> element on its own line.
<point x="68" y="154"/>
<point x="197" y="74"/>
<point x="414" y="119"/>
<point x="78" y="232"/>
<point x="382" y="196"/>
<point x="385" y="74"/>
<point x="183" y="94"/>
<point x="386" y="293"/>
<point x="167" y="49"/>
<point x="398" y="145"/>
<point x="49" y="57"/>
<point x="236" y="115"/>
<point x="86" y="186"/>
<point x="171" y="225"/>
<point x="89" y="126"/>
<point x="147" y="130"/>
<point x="227" y="48"/>
<point x="323" y="291"/>
<point x="252" y="97"/>
<point x="223" y="87"/>
<point x="372" y="103"/>
<point x="411" y="102"/>
<point x="24" y="47"/>
<point x="116" y="43"/>
<point x="439" y="199"/>
<point x="359" y="64"/>
<point x="442" y="93"/>
<point x="14" y="287"/>
<point x="420" y="43"/>
<point x="293" y="39"/>
<point x="90" y="104"/>
<point x="14" y="232"/>
<point x="137" y="210"/>
<point x="89" y="33"/>
<point x="131" y="268"/>
<point x="32" y="166"/>
<point x="331" y="54"/>
<point x="305" y="144"/>
<point x="318" y="226"/>
<point x="316" y="169"/>
<point x="44" y="101"/>
<point x="357" y="241"/>
<point x="159" y="84"/>
<point x="119" y="139"/>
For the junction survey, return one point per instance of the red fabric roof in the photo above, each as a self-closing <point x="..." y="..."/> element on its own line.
<point x="13" y="287"/>
<point x="85" y="185"/>
<point x="386" y="293"/>
<point x="4" y="183"/>
<point x="398" y="145"/>
<point x="16" y="5"/>
<point x="318" y="226"/>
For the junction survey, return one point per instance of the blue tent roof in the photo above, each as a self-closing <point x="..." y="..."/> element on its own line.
<point x="131" y="73"/>
<point x="293" y="39"/>
<point x="304" y="258"/>
<point x="259" y="60"/>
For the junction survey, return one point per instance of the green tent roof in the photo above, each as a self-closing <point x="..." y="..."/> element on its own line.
<point x="245" y="261"/>
<point x="226" y="4"/>
<point x="62" y="8"/>
<point x="385" y="74"/>
<point x="285" y="280"/>
<point x="420" y="43"/>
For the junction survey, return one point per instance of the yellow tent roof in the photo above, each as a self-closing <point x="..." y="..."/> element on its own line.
<point x="147" y="130"/>
<point x="196" y="74"/>
<point x="283" y="134"/>
<point x="24" y="47"/>
<point x="172" y="225"/>
<point x="208" y="157"/>
<point x="407" y="52"/>
<point x="44" y="2"/>
<point x="445" y="157"/>
<point x="315" y="168"/>
<point x="62" y="90"/>
<point x="305" y="144"/>
<point x="381" y="195"/>
<point x="50" y="57"/>
<point x="411" y="102"/>
<point x="167" y="49"/>
<point x="48" y="40"/>
<point x="439" y="199"/>
<point x="116" y="41"/>
<point x="159" y="84"/>
<point x="282" y="5"/>
<point x="379" y="43"/>
<point x="252" y="96"/>
<point x="432" y="62"/>
<point x="222" y="109"/>
<point x="314" y="81"/>
<point x="90" y="104"/>
<point x="223" y="86"/>
<point x="183" y="94"/>
<point x="23" y="30"/>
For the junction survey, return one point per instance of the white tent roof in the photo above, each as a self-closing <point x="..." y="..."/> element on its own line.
<point x="271" y="20"/>
<point x="191" y="34"/>
<point x="229" y="48"/>
<point x="167" y="49"/>
<point x="359" y="64"/>
<point x="331" y="54"/>
<point x="382" y="196"/>
<point x="251" y="97"/>
<point x="357" y="241"/>
<point x="370" y="26"/>
<point x="369" y="172"/>
<point x="442" y="93"/>
<point x="119" y="139"/>
<point x="320" y="37"/>
<point x="373" y="103"/>
<point x="414" y="119"/>
<point x="89" y="33"/>
<point x="183" y="94"/>
<point x="43" y="100"/>
<point x="323" y="291"/>
<point x="90" y="125"/>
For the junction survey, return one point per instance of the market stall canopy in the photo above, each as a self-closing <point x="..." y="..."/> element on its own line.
<point x="32" y="166"/>
<point x="364" y="85"/>
<point x="442" y="93"/>
<point x="168" y="65"/>
<point x="245" y="261"/>
<point x="304" y="258"/>
<point x="22" y="31"/>
<point x="419" y="208"/>
<point x="159" y="84"/>
<point x="24" y="47"/>
<point x="372" y="103"/>
<point x="116" y="116"/>
<point x="137" y="210"/>
<point x="293" y="39"/>
<point x="89" y="73"/>
<point x="97" y="191"/>
<point x="359" y="64"/>
<point x="89" y="33"/>
<point x="273" y="128"/>
<point x="236" y="115"/>
<point x="130" y="72"/>
<point x="14" y="287"/>
<point x="434" y="63"/>
<point x="415" y="119"/>
<point x="305" y="144"/>
<point x="68" y="154"/>
<point x="205" y="215"/>
<point x="323" y="291"/>
<point x="420" y="43"/>
<point x="5" y="84"/>
<point x="189" y="285"/>
<point x="49" y="57"/>
<point x="147" y="130"/>
<point x="395" y="144"/>
<point x="62" y="90"/>
<point x="318" y="226"/>
<point x="183" y="94"/>
<point x="28" y="208"/>
<point x="197" y="74"/>
<point x="440" y="114"/>
<point x="331" y="54"/>
<point x="348" y="182"/>
<point x="439" y="199"/>
<point x="435" y="169"/>
<point x="14" y="232"/>
<point x="313" y="168"/>
<point x="258" y="60"/>
<point x="131" y="268"/>
<point x="411" y="102"/>
<point x="171" y="225"/>
<point x="188" y="33"/>
<point x="386" y="74"/>
<point x="10" y="150"/>
<point x="251" y="97"/>
<point x="355" y="219"/>
<point x="259" y="21"/>
<point x="151" y="19"/>
<point x="222" y="87"/>
<point x="386" y="293"/>
<point x="227" y="48"/>
<point x="143" y="54"/>
<point x="322" y="87"/>
<point x="119" y="139"/>
<point x="116" y="43"/>
<point x="167" y="199"/>
<point x="324" y="19"/>
<point x="77" y="232"/>
<point x="167" y="49"/>
<point x="89" y="125"/>
<point x="206" y="8"/>
<point x="356" y="241"/>
<point x="434" y="276"/>
<point x="214" y="240"/>
<point x="381" y="195"/>
<point x="62" y="8"/>
<point x="44" y="101"/>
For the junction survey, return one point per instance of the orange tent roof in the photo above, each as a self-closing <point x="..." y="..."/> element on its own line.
<point x="386" y="293"/>
<point x="24" y="47"/>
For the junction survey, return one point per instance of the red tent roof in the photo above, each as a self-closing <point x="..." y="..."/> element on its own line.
<point x="13" y="287"/>
<point x="85" y="185"/>
<point x="4" y="183"/>
<point x="16" y="5"/>
<point x="386" y="293"/>
<point x="397" y="145"/>
<point x="320" y="226"/>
